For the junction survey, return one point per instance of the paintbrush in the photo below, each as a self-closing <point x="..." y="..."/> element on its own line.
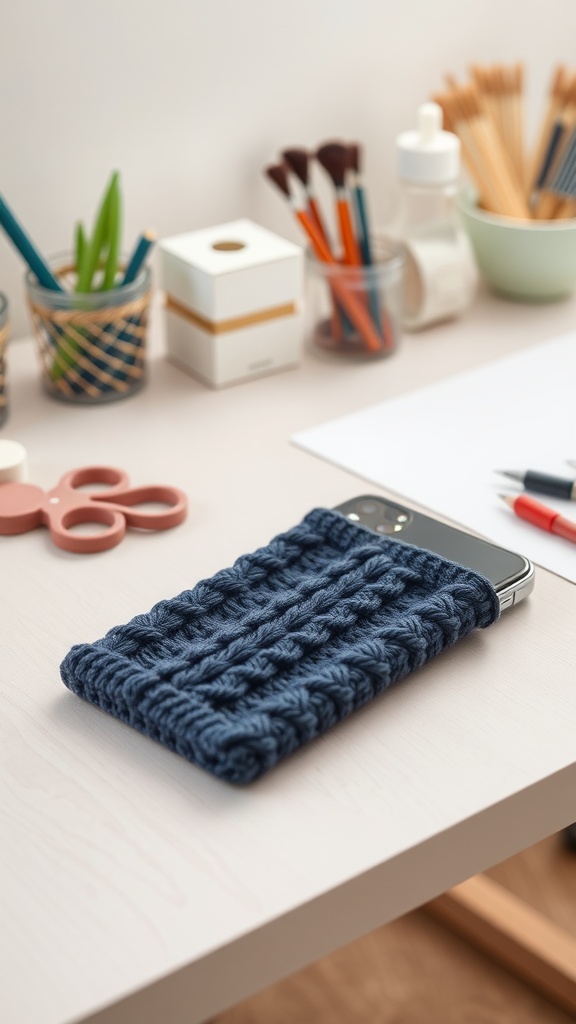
<point x="278" y="175"/>
<point x="362" y="226"/>
<point x="358" y="191"/>
<point x="334" y="159"/>
<point x="298" y="161"/>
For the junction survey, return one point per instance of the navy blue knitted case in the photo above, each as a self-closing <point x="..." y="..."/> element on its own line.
<point x="249" y="665"/>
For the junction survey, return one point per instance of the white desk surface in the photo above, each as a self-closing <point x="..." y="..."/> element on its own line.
<point x="136" y="887"/>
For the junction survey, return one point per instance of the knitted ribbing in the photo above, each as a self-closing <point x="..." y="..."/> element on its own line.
<point x="243" y="669"/>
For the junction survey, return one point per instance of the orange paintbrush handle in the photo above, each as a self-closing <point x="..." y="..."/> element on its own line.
<point x="354" y="308"/>
<point x="315" y="214"/>
<point x="319" y="244"/>
<point x="349" y="243"/>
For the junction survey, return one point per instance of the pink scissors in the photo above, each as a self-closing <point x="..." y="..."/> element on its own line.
<point x="25" y="506"/>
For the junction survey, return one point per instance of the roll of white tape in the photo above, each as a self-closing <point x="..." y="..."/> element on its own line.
<point x="13" y="462"/>
<point x="441" y="279"/>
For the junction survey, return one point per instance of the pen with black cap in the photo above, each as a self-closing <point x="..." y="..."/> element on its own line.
<point x="543" y="483"/>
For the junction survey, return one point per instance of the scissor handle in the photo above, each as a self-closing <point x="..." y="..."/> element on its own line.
<point x="64" y="537"/>
<point x="116" y="479"/>
<point x="160" y="519"/>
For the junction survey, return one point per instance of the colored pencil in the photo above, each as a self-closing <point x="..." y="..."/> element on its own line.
<point x="27" y="249"/>
<point x="138" y="257"/>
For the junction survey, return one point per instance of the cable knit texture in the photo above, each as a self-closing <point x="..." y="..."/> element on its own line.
<point x="249" y="665"/>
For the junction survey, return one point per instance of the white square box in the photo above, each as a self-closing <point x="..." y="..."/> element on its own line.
<point x="234" y="296"/>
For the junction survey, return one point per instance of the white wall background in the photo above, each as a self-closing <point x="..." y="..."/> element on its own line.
<point x="190" y="98"/>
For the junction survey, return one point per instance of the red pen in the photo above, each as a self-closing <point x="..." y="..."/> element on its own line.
<point x="541" y="516"/>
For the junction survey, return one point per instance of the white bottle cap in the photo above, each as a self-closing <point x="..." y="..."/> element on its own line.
<point x="429" y="155"/>
<point x="13" y="462"/>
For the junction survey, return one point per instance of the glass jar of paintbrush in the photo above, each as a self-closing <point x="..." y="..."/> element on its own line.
<point x="3" y="346"/>
<point x="92" y="345"/>
<point x="354" y="283"/>
<point x="354" y="311"/>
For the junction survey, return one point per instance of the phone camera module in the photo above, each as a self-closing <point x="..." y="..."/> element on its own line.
<point x="379" y="515"/>
<point x="392" y="519"/>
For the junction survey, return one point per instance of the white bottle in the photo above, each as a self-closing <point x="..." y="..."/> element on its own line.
<point x="440" y="271"/>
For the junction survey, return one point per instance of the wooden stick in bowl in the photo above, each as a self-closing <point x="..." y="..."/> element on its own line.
<point x="475" y="127"/>
<point x="500" y="90"/>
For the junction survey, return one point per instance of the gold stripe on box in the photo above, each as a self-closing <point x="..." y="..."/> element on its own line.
<point x="234" y="324"/>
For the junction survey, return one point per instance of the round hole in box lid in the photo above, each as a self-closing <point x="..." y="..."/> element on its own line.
<point x="228" y="246"/>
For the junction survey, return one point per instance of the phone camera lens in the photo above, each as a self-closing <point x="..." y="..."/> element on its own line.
<point x="388" y="528"/>
<point x="367" y="508"/>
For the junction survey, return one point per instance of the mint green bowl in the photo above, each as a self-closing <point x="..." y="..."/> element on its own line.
<point x="534" y="261"/>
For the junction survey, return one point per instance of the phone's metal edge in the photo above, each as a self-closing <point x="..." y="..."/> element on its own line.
<point x="519" y="588"/>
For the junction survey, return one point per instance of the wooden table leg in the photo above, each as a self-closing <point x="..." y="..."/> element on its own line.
<point x="514" y="934"/>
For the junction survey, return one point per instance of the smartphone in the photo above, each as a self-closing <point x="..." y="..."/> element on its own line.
<point x="511" y="575"/>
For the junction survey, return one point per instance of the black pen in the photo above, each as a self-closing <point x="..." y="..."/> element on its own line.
<point x="543" y="483"/>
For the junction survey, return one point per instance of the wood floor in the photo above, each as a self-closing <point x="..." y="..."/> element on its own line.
<point x="415" y="971"/>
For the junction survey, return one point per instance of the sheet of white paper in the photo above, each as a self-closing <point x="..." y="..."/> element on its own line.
<point x="442" y="445"/>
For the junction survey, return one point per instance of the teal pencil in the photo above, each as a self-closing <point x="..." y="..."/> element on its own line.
<point x="363" y="230"/>
<point x="138" y="257"/>
<point x="133" y="268"/>
<point x="27" y="249"/>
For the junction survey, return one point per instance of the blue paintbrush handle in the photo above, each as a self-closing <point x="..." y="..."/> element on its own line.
<point x="362" y="226"/>
<point x="365" y="249"/>
<point x="27" y="250"/>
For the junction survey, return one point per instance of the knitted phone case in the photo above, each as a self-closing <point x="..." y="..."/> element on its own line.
<point x="249" y="665"/>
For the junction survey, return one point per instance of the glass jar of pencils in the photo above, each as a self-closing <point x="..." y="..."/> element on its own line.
<point x="92" y="345"/>
<point x="353" y="312"/>
<point x="3" y="345"/>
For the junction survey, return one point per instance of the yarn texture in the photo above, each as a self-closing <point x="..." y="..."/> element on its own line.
<point x="238" y="672"/>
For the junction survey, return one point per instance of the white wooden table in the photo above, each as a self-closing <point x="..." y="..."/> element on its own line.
<point x="135" y="886"/>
